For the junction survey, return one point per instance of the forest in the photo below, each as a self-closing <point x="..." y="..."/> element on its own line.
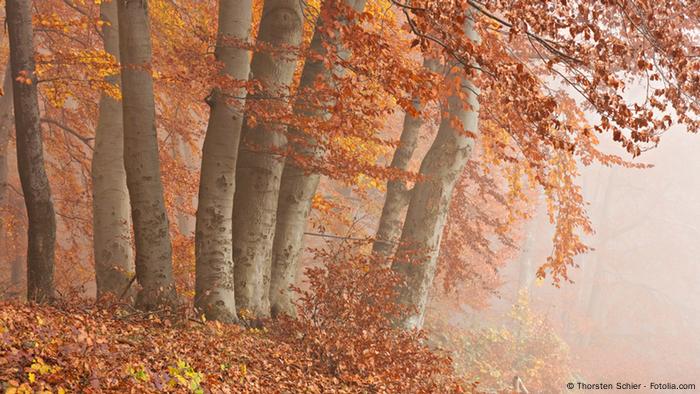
<point x="349" y="196"/>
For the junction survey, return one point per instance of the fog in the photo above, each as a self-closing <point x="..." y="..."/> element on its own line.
<point x="632" y="311"/>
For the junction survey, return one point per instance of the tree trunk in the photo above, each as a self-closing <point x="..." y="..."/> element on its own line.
<point x="259" y="167"/>
<point x="152" y="239"/>
<point x="397" y="196"/>
<point x="298" y="186"/>
<point x="213" y="237"/>
<point x="5" y="127"/>
<point x="598" y="189"/>
<point x="15" y="279"/>
<point x="30" y="155"/>
<point x="114" y="266"/>
<point x="532" y="233"/>
<point x="526" y="272"/>
<point x="181" y="153"/>
<point x="416" y="257"/>
<point x="597" y="275"/>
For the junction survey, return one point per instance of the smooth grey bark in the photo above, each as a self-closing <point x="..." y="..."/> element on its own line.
<point x="114" y="266"/>
<point x="181" y="153"/>
<point x="416" y="256"/>
<point x="298" y="186"/>
<point x="5" y="128"/>
<point x="214" y="287"/>
<point x="151" y="234"/>
<point x="30" y="155"/>
<point x="259" y="166"/>
<point x="15" y="279"/>
<point x="296" y="194"/>
<point x="397" y="195"/>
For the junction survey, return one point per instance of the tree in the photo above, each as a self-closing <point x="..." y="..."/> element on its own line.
<point x="417" y="253"/>
<point x="30" y="155"/>
<point x="528" y="118"/>
<point x="298" y="185"/>
<point x="530" y="71"/>
<point x="110" y="201"/>
<point x="526" y="260"/>
<point x="214" y="260"/>
<point x="419" y="244"/>
<point x="397" y="193"/>
<point x="152" y="239"/>
<point x="260" y="157"/>
<point x="5" y="128"/>
<point x="5" y="133"/>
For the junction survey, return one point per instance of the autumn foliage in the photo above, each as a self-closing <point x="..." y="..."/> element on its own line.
<point x="91" y="349"/>
<point x="343" y="340"/>
<point x="551" y="80"/>
<point x="524" y="344"/>
<point x="345" y="323"/>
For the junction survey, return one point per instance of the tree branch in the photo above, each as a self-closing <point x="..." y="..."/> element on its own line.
<point x="82" y="138"/>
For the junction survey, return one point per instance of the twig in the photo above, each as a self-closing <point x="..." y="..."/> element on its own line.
<point x="141" y="313"/>
<point x="127" y="341"/>
<point x="334" y="236"/>
<point x="131" y="282"/>
<point x="83" y="139"/>
<point x="197" y="321"/>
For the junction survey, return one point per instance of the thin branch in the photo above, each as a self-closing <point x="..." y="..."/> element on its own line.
<point x="334" y="236"/>
<point x="547" y="43"/>
<point x="347" y="238"/>
<point x="131" y="282"/>
<point x="85" y="140"/>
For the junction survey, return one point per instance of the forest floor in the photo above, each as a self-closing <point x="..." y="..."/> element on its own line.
<point x="91" y="349"/>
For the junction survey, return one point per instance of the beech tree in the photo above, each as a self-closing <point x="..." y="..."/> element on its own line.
<point x="416" y="256"/>
<point x="5" y="128"/>
<point x="397" y="193"/>
<point x="30" y="154"/>
<point x="298" y="185"/>
<point x="260" y="157"/>
<point x="150" y="220"/>
<point x="521" y="48"/>
<point x="213" y="239"/>
<point x="111" y="210"/>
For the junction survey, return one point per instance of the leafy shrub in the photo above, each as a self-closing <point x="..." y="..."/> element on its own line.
<point x="345" y="324"/>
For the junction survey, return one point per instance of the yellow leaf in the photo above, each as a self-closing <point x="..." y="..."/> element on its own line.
<point x="32" y="377"/>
